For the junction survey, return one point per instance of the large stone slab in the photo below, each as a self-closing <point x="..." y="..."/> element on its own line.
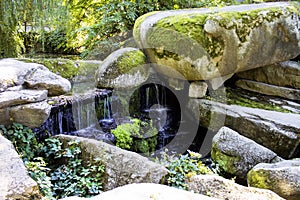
<point x="46" y="80"/>
<point x="13" y="72"/>
<point x="275" y="130"/>
<point x="285" y="74"/>
<point x="273" y="90"/>
<point x="221" y="188"/>
<point x="32" y="115"/>
<point x="124" y="68"/>
<point x="12" y="98"/>
<point x="32" y="76"/>
<point x="203" y="44"/>
<point x="146" y="191"/>
<point x="236" y="154"/>
<point x="283" y="178"/>
<point x="15" y="182"/>
<point x="122" y="167"/>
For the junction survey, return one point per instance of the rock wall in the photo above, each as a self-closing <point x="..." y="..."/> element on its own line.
<point x="24" y="88"/>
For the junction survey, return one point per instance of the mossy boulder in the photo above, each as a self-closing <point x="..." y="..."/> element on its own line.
<point x="123" y="68"/>
<point x="236" y="154"/>
<point x="283" y="178"/>
<point x="203" y="44"/>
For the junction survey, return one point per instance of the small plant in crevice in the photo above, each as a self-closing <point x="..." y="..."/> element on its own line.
<point x="56" y="167"/>
<point x="139" y="136"/>
<point x="182" y="168"/>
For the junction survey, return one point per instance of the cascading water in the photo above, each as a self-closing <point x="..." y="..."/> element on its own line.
<point x="91" y="115"/>
<point x="77" y="114"/>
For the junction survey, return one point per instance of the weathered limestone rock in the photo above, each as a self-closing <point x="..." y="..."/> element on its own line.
<point x="277" y="131"/>
<point x="236" y="154"/>
<point x="283" y="178"/>
<point x="124" y="68"/>
<point x="122" y="167"/>
<point x="12" y="98"/>
<point x="221" y="188"/>
<point x="13" y="72"/>
<point x="31" y="75"/>
<point x="32" y="115"/>
<point x="202" y="44"/>
<point x="273" y="90"/>
<point x="23" y="88"/>
<point x="75" y="70"/>
<point x="285" y="74"/>
<point x="4" y="117"/>
<point x="46" y="80"/>
<point x="15" y="182"/>
<point x="198" y="89"/>
<point x="146" y="191"/>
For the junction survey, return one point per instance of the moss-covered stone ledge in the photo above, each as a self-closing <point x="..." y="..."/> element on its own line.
<point x="202" y="44"/>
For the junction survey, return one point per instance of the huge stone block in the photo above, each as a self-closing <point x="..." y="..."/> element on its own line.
<point x="32" y="115"/>
<point x="236" y="154"/>
<point x="277" y="131"/>
<point x="15" y="182"/>
<point x="285" y="74"/>
<point x="203" y="44"/>
<point x="283" y="178"/>
<point x="122" y="167"/>
<point x="219" y="187"/>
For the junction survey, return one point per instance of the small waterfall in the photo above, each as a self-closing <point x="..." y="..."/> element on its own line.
<point x="103" y="106"/>
<point x="77" y="113"/>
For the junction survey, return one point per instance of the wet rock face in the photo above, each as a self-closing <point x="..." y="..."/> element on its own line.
<point x="124" y="68"/>
<point x="203" y="44"/>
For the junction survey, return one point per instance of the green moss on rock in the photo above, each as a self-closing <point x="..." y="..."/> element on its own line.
<point x="258" y="178"/>
<point x="237" y="97"/>
<point x="130" y="60"/>
<point x="184" y="35"/>
<point x="225" y="161"/>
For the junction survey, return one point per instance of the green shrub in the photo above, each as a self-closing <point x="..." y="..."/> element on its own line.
<point x="39" y="172"/>
<point x="23" y="139"/>
<point x="70" y="176"/>
<point x="182" y="168"/>
<point x="58" y="170"/>
<point x="137" y="136"/>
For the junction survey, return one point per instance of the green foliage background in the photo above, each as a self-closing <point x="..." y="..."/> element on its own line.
<point x="75" y="26"/>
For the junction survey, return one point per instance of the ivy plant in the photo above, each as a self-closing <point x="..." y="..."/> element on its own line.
<point x="182" y="168"/>
<point x="57" y="168"/>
